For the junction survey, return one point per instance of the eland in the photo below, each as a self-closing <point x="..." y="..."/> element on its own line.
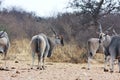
<point x="113" y="50"/>
<point x="4" y="44"/>
<point x="42" y="45"/>
<point x="93" y="45"/>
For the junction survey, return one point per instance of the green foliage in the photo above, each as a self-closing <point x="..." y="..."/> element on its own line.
<point x="2" y="27"/>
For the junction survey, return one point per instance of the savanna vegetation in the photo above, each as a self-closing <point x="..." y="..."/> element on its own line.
<point x="76" y="27"/>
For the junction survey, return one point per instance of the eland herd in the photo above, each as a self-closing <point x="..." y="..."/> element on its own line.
<point x="42" y="46"/>
<point x="110" y="45"/>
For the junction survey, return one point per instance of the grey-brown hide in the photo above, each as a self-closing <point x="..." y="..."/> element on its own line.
<point x="43" y="46"/>
<point x="114" y="51"/>
<point x="4" y="43"/>
<point x="95" y="43"/>
<point x="106" y="41"/>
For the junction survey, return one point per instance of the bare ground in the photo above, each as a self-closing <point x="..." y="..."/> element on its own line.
<point x="56" y="71"/>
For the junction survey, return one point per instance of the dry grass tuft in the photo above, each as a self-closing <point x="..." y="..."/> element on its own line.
<point x="20" y="50"/>
<point x="69" y="53"/>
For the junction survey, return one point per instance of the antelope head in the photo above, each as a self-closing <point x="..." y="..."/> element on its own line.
<point x="102" y="35"/>
<point x="58" y="38"/>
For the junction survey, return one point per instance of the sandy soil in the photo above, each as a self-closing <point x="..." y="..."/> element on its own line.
<point x="56" y="71"/>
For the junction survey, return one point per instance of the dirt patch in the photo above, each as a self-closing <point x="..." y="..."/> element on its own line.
<point x="56" y="71"/>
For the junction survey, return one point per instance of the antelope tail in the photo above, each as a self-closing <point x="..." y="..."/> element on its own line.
<point x="37" y="45"/>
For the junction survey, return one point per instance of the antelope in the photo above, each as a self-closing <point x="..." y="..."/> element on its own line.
<point x="113" y="50"/>
<point x="4" y="44"/>
<point x="43" y="45"/>
<point x="94" y="44"/>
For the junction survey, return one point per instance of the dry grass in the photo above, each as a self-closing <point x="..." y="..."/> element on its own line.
<point x="99" y="57"/>
<point x="20" y="50"/>
<point x="68" y="53"/>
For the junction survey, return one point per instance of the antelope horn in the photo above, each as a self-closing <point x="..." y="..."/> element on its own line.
<point x="53" y="30"/>
<point x="115" y="32"/>
<point x="100" y="27"/>
<point x="1" y="34"/>
<point x="109" y="28"/>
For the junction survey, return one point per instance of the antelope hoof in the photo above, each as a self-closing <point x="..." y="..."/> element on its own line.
<point x="38" y="67"/>
<point x="111" y="71"/>
<point x="119" y="71"/>
<point x="105" y="70"/>
<point x="88" y="68"/>
<point x="6" y="67"/>
<point x="43" y="67"/>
